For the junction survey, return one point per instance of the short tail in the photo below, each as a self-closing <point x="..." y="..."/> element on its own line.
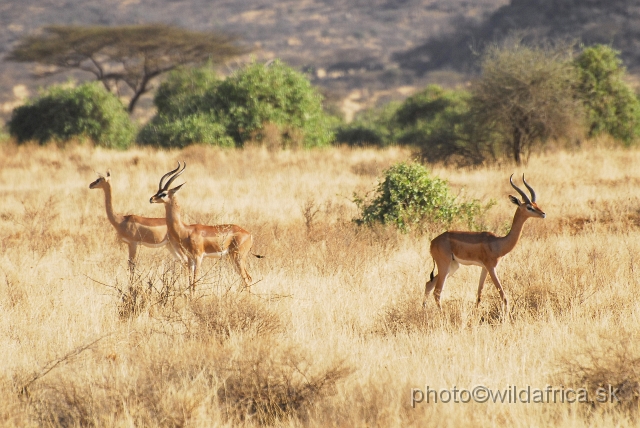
<point x="258" y="256"/>
<point x="432" y="271"/>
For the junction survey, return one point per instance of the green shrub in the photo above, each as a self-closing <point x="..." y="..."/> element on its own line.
<point x="611" y="105"/>
<point x="185" y="112"/>
<point x="86" y="112"/>
<point x="195" y="107"/>
<point x="409" y="198"/>
<point x="359" y="136"/>
<point x="186" y="91"/>
<point x="441" y="125"/>
<point x="430" y="105"/>
<point x="434" y="120"/>
<point x="276" y="94"/>
<point x="374" y="127"/>
<point x="180" y="132"/>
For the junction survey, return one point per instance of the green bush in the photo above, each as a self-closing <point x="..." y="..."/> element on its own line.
<point x="86" y="112"/>
<point x="372" y="127"/>
<point x="409" y="198"/>
<point x="359" y="136"/>
<point x="274" y="94"/>
<point x="440" y="124"/>
<point x="185" y="112"/>
<point x="435" y="120"/>
<point x="187" y="91"/>
<point x="248" y="105"/>
<point x="431" y="106"/>
<point x="180" y="132"/>
<point x="610" y="104"/>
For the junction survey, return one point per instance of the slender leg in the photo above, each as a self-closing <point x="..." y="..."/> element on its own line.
<point x="175" y="253"/>
<point x="133" y="247"/>
<point x="239" y="249"/>
<point x="450" y="270"/>
<point x="180" y="255"/>
<point x="442" y="277"/>
<point x="496" y="282"/>
<point x="192" y="275"/>
<point x="239" y="261"/>
<point x="483" y="277"/>
<point x="196" y="269"/>
<point x="428" y="287"/>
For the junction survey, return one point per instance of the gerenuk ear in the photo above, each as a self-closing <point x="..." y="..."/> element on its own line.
<point x="175" y="189"/>
<point x="514" y="200"/>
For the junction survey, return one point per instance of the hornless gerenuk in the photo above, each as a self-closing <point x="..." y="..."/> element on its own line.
<point x="132" y="229"/>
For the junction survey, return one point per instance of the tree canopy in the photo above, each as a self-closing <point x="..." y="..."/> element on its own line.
<point x="526" y="95"/>
<point x="130" y="55"/>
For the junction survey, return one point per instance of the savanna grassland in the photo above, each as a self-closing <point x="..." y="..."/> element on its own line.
<point x="332" y="333"/>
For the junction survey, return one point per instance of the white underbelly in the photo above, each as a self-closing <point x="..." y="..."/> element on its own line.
<point x="217" y="254"/>
<point x="158" y="245"/>
<point x="147" y="244"/>
<point x="467" y="262"/>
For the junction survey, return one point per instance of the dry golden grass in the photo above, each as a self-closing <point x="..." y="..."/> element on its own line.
<point x="332" y="333"/>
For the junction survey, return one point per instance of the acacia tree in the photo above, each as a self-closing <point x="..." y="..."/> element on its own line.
<point x="526" y="95"/>
<point x="131" y="55"/>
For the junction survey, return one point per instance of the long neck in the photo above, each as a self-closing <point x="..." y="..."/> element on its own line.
<point x="109" y="205"/>
<point x="509" y="241"/>
<point x="174" y="221"/>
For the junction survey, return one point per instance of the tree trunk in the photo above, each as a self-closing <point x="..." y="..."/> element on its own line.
<point x="517" y="145"/>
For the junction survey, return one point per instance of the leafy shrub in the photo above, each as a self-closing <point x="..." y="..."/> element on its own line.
<point x="441" y="125"/>
<point x="409" y="197"/>
<point x="185" y="112"/>
<point x="184" y="92"/>
<point x="359" y="136"/>
<point x="196" y="107"/>
<point x="179" y="132"/>
<point x="375" y="126"/>
<point x="430" y="107"/>
<point x="276" y="94"/>
<point x="434" y="120"/>
<point x="87" y="111"/>
<point x="610" y="104"/>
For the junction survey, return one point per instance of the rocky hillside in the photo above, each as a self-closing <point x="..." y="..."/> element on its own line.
<point x="359" y="51"/>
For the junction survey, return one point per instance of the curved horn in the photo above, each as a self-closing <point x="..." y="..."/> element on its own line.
<point x="533" y="192"/>
<point x="168" y="183"/>
<point x="166" y="175"/>
<point x="524" y="196"/>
